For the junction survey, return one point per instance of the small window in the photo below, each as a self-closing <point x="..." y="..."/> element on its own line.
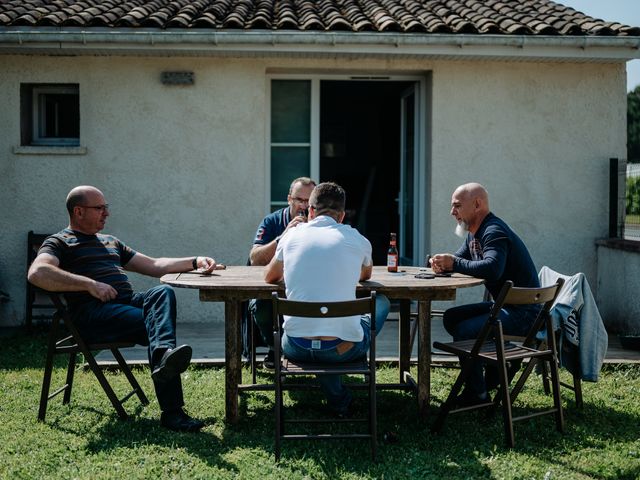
<point x="50" y="114"/>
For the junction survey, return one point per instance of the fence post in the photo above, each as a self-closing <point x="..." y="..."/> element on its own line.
<point x="613" y="197"/>
<point x="617" y="197"/>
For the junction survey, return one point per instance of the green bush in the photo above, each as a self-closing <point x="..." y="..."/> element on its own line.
<point x="633" y="195"/>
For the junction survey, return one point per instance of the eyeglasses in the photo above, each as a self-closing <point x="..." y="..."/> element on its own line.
<point x="102" y="208"/>
<point x="300" y="200"/>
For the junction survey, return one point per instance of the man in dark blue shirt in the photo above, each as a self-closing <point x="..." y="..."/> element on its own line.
<point x="273" y="227"/>
<point x="493" y="252"/>
<point x="90" y="268"/>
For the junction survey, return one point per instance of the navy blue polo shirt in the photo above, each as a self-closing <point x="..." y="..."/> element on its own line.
<point x="272" y="225"/>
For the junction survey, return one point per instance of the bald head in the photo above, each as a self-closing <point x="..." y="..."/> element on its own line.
<point x="78" y="196"/>
<point x="473" y="191"/>
<point x="469" y="205"/>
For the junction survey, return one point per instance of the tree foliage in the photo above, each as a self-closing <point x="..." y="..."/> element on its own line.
<point x="633" y="196"/>
<point x="633" y="126"/>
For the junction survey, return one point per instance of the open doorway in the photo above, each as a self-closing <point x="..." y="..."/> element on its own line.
<point x="360" y="148"/>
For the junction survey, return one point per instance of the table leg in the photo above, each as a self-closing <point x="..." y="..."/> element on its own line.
<point x="424" y="357"/>
<point x="403" y="338"/>
<point x="233" y="366"/>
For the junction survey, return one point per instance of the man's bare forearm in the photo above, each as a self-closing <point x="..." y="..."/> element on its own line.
<point x="365" y="272"/>
<point x="274" y="272"/>
<point x="162" y="265"/>
<point x="262" y="254"/>
<point x="52" y="278"/>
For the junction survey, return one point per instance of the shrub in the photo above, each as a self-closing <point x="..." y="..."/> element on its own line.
<point x="633" y="195"/>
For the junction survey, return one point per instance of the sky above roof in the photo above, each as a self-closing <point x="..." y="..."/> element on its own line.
<point x="623" y="11"/>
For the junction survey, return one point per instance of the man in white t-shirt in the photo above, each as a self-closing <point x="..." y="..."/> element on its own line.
<point x="322" y="261"/>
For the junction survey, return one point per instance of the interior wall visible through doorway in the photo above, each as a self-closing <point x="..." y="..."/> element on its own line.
<point x="360" y="150"/>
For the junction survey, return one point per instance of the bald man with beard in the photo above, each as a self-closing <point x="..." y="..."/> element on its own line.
<point x="89" y="267"/>
<point x="495" y="253"/>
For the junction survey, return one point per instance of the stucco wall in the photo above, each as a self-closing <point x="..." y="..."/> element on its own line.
<point x="618" y="289"/>
<point x="538" y="136"/>
<point x="183" y="167"/>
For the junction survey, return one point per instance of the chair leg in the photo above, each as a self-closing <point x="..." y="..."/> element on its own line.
<point x="95" y="368"/>
<point x="278" y="397"/>
<point x="577" y="388"/>
<point x="504" y="391"/>
<point x="447" y="406"/>
<point x="555" y="384"/>
<point x="373" y="415"/>
<point x="517" y="388"/>
<point x="71" y="369"/>
<point x="507" y="415"/>
<point x="48" y="369"/>
<point x="252" y="341"/>
<point x="129" y="374"/>
<point x="544" y="367"/>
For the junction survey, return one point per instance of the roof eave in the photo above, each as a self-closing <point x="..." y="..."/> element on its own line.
<point x="180" y="42"/>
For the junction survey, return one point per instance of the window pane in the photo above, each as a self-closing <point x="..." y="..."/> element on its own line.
<point x="60" y="115"/>
<point x="290" y="111"/>
<point x="287" y="163"/>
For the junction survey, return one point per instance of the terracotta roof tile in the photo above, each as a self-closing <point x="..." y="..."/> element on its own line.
<point x="507" y="17"/>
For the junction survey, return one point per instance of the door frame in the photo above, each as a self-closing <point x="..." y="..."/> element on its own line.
<point x="421" y="240"/>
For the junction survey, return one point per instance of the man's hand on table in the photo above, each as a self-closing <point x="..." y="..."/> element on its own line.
<point x="207" y="265"/>
<point x="442" y="262"/>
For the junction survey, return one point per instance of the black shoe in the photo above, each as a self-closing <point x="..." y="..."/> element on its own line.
<point x="491" y="374"/>
<point x="269" y="360"/>
<point x="470" y="399"/>
<point x="179" y="421"/>
<point x="173" y="363"/>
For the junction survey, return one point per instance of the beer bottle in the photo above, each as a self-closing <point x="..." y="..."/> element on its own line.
<point x="392" y="255"/>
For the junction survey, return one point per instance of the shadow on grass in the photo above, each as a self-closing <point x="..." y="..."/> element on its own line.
<point x="464" y="449"/>
<point x="466" y="439"/>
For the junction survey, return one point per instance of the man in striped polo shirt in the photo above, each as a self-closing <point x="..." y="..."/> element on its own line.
<point x="90" y="268"/>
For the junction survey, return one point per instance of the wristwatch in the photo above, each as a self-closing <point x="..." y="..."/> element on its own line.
<point x="194" y="263"/>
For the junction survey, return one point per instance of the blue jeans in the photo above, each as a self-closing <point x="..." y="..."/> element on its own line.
<point x="338" y="396"/>
<point x="149" y="319"/>
<point x="466" y="321"/>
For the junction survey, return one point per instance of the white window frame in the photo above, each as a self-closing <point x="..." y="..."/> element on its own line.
<point x="37" y="94"/>
<point x="314" y="138"/>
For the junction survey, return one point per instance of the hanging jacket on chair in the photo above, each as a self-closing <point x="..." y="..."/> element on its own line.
<point x="575" y="312"/>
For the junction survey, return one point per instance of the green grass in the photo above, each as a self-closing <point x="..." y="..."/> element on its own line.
<point x="86" y="440"/>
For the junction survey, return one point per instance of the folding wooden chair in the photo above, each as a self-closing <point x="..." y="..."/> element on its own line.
<point x="71" y="345"/>
<point x="287" y="368"/>
<point x="491" y="348"/>
<point x="38" y="306"/>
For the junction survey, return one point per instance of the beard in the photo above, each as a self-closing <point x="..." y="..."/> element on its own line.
<point x="462" y="229"/>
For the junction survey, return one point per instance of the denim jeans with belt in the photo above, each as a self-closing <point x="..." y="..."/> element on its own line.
<point x="338" y="396"/>
<point x="466" y="321"/>
<point x="149" y="319"/>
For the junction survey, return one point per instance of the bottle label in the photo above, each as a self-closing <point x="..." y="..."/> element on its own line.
<point x="392" y="260"/>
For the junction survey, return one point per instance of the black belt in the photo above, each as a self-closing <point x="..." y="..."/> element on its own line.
<point x="315" y="344"/>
